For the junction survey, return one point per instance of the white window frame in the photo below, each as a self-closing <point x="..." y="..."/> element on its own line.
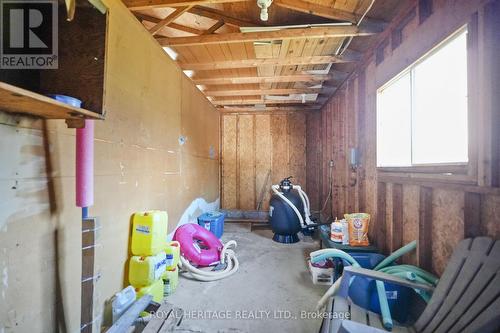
<point x="452" y="168"/>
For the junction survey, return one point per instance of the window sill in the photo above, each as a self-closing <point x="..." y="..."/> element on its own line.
<point x="408" y="177"/>
<point x="463" y="183"/>
<point x="439" y="169"/>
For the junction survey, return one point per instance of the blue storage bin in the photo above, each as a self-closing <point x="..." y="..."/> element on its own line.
<point x="212" y="221"/>
<point x="363" y="291"/>
<point x="366" y="260"/>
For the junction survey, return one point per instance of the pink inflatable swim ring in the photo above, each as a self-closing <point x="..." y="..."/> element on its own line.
<point x="198" y="245"/>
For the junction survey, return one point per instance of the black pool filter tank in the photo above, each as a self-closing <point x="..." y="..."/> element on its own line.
<point x="284" y="221"/>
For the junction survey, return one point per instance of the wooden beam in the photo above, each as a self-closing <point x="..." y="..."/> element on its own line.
<point x="246" y="63"/>
<point x="317" y="10"/>
<point x="259" y="101"/>
<point x="397" y="217"/>
<point x="169" y="19"/>
<point x="380" y="226"/>
<point x="445" y="184"/>
<point x="255" y="92"/>
<point x="262" y="79"/>
<point x="472" y="215"/>
<point x="425" y="229"/>
<point x="267" y="109"/>
<point x="148" y="4"/>
<point x="173" y="25"/>
<point x="214" y="28"/>
<point x="218" y="15"/>
<point x="330" y="13"/>
<point x="283" y="34"/>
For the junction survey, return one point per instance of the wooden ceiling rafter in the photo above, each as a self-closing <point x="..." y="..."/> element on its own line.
<point x="239" y="71"/>
<point x="317" y="10"/>
<point x="218" y="15"/>
<point x="135" y="5"/>
<point x="261" y="79"/>
<point x="257" y="92"/>
<point x="214" y="28"/>
<point x="242" y="102"/>
<point x="283" y="34"/>
<point x="173" y="25"/>
<point x="328" y="12"/>
<point x="268" y="109"/>
<point x="248" y="63"/>
<point x="169" y="19"/>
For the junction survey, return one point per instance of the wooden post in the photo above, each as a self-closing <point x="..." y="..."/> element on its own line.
<point x="362" y="139"/>
<point x="472" y="215"/>
<point x="381" y="217"/>
<point x="397" y="217"/>
<point x="425" y="229"/>
<point x="88" y="278"/>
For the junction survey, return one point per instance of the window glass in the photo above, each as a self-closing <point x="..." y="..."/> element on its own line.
<point x="394" y="123"/>
<point x="422" y="114"/>
<point x="440" y="105"/>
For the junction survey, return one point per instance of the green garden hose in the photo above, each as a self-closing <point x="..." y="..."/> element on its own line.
<point x="408" y="272"/>
<point x="396" y="254"/>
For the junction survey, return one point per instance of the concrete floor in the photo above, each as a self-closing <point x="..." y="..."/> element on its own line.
<point x="267" y="294"/>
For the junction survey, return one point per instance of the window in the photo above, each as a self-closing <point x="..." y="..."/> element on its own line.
<point x="422" y="113"/>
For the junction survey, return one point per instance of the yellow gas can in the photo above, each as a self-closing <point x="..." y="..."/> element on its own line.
<point x="143" y="271"/>
<point x="172" y="251"/>
<point x="149" y="232"/>
<point x="170" y="280"/>
<point x="155" y="289"/>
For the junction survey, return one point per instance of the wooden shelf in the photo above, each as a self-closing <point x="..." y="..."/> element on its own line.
<point x="18" y="100"/>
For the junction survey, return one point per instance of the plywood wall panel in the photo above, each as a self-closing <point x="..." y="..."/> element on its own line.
<point x="325" y="158"/>
<point x="314" y="167"/>
<point x="279" y="136"/>
<point x="297" y="148"/>
<point x="262" y="160"/>
<point x="253" y="146"/>
<point x="410" y="219"/>
<point x="229" y="162"/>
<point x="139" y="165"/>
<point x="447" y="226"/>
<point x="370" y="149"/>
<point x="361" y="125"/>
<point x="352" y="196"/>
<point x="490" y="215"/>
<point x="246" y="154"/>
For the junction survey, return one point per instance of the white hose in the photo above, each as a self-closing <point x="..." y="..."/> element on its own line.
<point x="226" y="255"/>
<point x="329" y="293"/>
<point x="305" y="203"/>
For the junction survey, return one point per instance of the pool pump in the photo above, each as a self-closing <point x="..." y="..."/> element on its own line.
<point x="289" y="212"/>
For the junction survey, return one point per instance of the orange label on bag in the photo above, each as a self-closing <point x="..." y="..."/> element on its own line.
<point x="358" y="228"/>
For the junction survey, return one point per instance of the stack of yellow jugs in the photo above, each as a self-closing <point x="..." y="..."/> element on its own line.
<point x="152" y="255"/>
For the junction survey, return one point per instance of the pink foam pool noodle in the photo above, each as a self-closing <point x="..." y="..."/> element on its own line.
<point x="85" y="165"/>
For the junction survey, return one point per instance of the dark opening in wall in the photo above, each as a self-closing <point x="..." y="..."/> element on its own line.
<point x="424" y="10"/>
<point x="397" y="34"/>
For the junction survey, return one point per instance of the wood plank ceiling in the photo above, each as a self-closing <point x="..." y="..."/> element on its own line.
<point x="293" y="68"/>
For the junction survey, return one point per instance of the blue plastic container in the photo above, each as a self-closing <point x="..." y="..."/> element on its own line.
<point x="67" y="100"/>
<point x="366" y="259"/>
<point x="363" y="291"/>
<point x="212" y="221"/>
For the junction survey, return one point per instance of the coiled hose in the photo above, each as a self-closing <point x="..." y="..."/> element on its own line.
<point x="227" y="255"/>
<point x="408" y="272"/>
